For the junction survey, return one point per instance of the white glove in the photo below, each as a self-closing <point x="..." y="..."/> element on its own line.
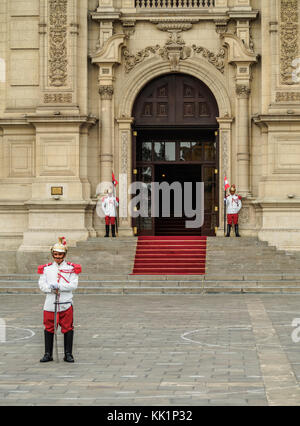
<point x="54" y="286"/>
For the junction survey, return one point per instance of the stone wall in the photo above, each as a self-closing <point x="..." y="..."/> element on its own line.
<point x="70" y="71"/>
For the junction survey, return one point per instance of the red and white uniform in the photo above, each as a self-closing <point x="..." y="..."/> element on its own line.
<point x="233" y="206"/>
<point x="66" y="278"/>
<point x="109" y="205"/>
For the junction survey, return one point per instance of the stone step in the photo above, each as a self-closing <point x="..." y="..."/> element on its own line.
<point x="168" y="290"/>
<point x="210" y="276"/>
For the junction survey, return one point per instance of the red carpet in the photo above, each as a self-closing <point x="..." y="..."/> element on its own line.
<point x="170" y="256"/>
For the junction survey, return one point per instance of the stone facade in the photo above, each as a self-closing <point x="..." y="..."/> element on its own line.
<point x="70" y="72"/>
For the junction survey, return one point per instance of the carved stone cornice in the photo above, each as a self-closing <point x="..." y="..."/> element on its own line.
<point x="174" y="26"/>
<point x="106" y="92"/>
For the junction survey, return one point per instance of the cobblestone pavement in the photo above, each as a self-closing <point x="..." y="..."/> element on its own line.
<point x="156" y="351"/>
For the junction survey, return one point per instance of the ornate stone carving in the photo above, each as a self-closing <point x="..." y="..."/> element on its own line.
<point x="288" y="97"/>
<point x="221" y="26"/>
<point x="128" y="27"/>
<point x="225" y="156"/>
<point x="58" y="62"/>
<point x="289" y="32"/>
<point x="218" y="60"/>
<point x="244" y="216"/>
<point x="174" y="51"/>
<point x="174" y="26"/>
<point x="58" y="98"/>
<point x="124" y="165"/>
<point x="132" y="60"/>
<point x="106" y="92"/>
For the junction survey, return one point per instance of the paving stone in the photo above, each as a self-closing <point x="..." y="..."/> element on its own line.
<point x="130" y="350"/>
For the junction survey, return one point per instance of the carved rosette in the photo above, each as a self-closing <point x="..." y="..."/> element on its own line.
<point x="58" y="61"/>
<point x="106" y="92"/>
<point x="289" y="33"/>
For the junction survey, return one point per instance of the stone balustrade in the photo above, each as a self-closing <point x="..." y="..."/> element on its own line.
<point x="174" y="4"/>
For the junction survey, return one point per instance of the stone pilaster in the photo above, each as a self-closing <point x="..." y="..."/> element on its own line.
<point x="125" y="174"/>
<point x="243" y="150"/>
<point x="106" y="152"/>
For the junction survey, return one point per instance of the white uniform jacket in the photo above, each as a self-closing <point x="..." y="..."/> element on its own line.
<point x="233" y="204"/>
<point x="109" y="205"/>
<point x="67" y="280"/>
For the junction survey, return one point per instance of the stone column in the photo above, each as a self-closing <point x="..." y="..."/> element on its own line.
<point x="106" y="153"/>
<point x="243" y="148"/>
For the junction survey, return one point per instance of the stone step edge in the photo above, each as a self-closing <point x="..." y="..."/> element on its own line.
<point x="169" y="279"/>
<point x="168" y="291"/>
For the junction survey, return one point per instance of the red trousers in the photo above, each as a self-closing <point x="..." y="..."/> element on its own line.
<point x="110" y="220"/>
<point x="232" y="218"/>
<point x="64" y="319"/>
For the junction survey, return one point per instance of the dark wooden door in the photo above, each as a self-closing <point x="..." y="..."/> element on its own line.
<point x="176" y="100"/>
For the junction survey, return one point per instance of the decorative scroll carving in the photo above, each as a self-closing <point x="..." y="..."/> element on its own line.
<point x="132" y="60"/>
<point x="218" y="60"/>
<point x="106" y="92"/>
<point x="288" y="39"/>
<point x="58" y="98"/>
<point x="58" y="62"/>
<point x="174" y="51"/>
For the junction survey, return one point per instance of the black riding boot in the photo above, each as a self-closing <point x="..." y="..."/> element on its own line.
<point x="113" y="230"/>
<point x="228" y="230"/>
<point x="236" y="228"/>
<point x="106" y="231"/>
<point x="48" y="347"/>
<point x="68" y="344"/>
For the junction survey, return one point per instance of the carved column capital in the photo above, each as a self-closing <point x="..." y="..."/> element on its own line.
<point x="243" y="91"/>
<point x="106" y="92"/>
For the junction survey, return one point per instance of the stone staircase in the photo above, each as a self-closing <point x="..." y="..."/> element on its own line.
<point x="234" y="265"/>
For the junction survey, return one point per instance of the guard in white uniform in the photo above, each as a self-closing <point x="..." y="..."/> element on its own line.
<point x="233" y="207"/>
<point x="61" y="278"/>
<point x="109" y="207"/>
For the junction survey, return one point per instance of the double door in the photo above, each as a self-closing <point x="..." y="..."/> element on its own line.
<point x="187" y="171"/>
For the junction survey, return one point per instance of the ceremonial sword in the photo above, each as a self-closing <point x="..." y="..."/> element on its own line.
<point x="56" y="303"/>
<point x="55" y="324"/>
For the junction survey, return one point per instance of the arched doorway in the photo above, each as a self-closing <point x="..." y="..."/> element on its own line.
<point x="175" y="139"/>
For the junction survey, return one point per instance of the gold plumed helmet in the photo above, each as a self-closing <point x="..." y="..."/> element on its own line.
<point x="61" y="246"/>
<point x="232" y="188"/>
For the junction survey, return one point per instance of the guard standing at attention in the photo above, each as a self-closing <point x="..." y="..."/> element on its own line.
<point x="58" y="280"/>
<point x="233" y="207"/>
